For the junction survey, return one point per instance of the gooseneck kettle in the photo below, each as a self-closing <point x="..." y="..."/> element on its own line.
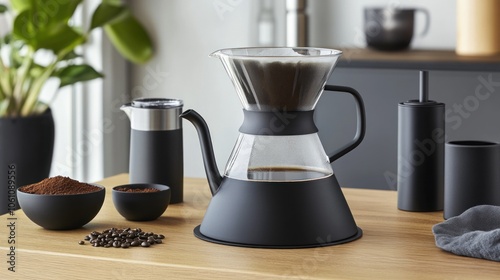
<point x="278" y="189"/>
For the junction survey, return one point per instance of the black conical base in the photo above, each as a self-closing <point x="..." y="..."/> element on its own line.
<point x="198" y="234"/>
<point x="278" y="215"/>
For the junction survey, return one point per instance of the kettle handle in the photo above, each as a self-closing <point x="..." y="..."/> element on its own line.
<point x="361" y="121"/>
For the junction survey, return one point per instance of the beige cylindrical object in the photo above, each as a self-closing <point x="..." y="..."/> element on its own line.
<point x="478" y="27"/>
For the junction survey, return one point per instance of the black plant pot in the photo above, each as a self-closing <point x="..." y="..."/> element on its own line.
<point x="26" y="147"/>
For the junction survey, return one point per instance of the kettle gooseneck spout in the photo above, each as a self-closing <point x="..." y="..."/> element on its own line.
<point x="213" y="175"/>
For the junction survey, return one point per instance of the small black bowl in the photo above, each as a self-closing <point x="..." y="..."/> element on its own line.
<point x="141" y="206"/>
<point x="61" y="211"/>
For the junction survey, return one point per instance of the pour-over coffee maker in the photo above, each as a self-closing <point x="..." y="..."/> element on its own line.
<point x="278" y="189"/>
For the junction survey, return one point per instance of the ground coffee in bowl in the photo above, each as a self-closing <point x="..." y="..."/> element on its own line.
<point x="136" y="190"/>
<point x="141" y="202"/>
<point x="61" y="203"/>
<point x="60" y="185"/>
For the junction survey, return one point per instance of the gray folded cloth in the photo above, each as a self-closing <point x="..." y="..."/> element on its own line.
<point x="475" y="233"/>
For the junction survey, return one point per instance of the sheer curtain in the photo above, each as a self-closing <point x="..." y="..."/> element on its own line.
<point x="91" y="132"/>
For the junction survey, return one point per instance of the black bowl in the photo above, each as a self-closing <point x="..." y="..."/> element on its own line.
<point x="141" y="206"/>
<point x="62" y="211"/>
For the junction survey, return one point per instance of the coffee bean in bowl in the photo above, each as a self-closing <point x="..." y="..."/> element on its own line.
<point x="141" y="202"/>
<point x="61" y="203"/>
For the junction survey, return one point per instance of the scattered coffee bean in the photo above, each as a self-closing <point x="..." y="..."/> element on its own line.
<point x="122" y="238"/>
<point x="160" y="236"/>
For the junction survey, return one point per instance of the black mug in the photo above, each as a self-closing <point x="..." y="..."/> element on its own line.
<point x="391" y="29"/>
<point x="156" y="148"/>
<point x="472" y="175"/>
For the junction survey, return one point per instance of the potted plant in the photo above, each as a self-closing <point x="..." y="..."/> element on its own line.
<point x="45" y="27"/>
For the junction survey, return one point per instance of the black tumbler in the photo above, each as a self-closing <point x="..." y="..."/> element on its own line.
<point x="156" y="149"/>
<point x="421" y="137"/>
<point x="471" y="175"/>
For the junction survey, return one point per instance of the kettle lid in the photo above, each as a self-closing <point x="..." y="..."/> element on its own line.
<point x="156" y="103"/>
<point x="154" y="114"/>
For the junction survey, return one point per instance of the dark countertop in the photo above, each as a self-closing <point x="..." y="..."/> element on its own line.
<point x="441" y="60"/>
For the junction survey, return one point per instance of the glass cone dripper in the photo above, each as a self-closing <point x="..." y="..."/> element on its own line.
<point x="285" y="79"/>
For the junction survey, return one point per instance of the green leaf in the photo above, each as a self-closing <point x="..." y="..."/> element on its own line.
<point x="106" y="13"/>
<point x="40" y="35"/>
<point x="23" y="27"/>
<point x="21" y="5"/>
<point x="44" y="24"/>
<point x="59" y="11"/>
<point x="130" y="39"/>
<point x="65" y="38"/>
<point x="71" y="55"/>
<point x="54" y="10"/>
<point x="7" y="38"/>
<point x="36" y="70"/>
<point x="15" y="58"/>
<point x="3" y="9"/>
<point x="52" y="14"/>
<point x="4" y="106"/>
<point x="76" y="73"/>
<point x="113" y="2"/>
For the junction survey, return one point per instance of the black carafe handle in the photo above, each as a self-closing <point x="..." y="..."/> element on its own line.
<point x="361" y="122"/>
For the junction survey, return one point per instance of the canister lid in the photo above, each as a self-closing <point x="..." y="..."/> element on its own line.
<point x="416" y="102"/>
<point x="156" y="103"/>
<point x="155" y="114"/>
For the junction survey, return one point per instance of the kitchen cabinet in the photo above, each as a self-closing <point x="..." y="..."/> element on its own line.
<point x="469" y="86"/>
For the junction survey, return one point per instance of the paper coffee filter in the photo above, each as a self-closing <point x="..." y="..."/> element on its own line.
<point x="290" y="79"/>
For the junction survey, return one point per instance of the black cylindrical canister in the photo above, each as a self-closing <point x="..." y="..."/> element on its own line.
<point x="471" y="175"/>
<point x="421" y="137"/>
<point x="156" y="149"/>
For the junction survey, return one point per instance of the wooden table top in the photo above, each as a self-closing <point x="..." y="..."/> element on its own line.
<point x="395" y="245"/>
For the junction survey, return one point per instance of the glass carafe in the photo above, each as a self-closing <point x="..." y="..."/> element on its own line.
<point x="278" y="88"/>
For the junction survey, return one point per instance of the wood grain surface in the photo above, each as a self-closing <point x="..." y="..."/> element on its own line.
<point x="395" y="245"/>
